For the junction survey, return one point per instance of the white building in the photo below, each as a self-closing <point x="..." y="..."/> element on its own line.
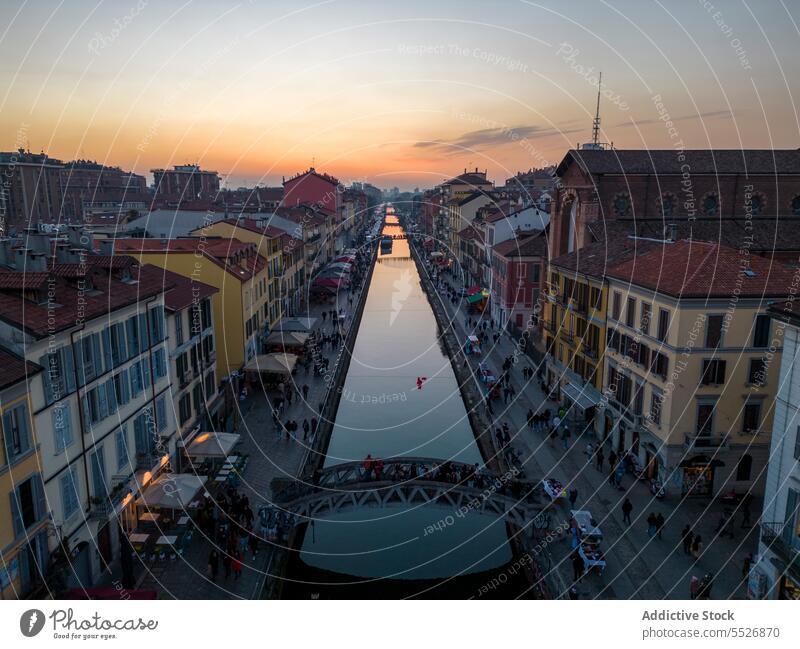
<point x="776" y="575"/>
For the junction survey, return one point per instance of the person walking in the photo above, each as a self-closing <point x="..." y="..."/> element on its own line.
<point x="697" y="547"/>
<point x="687" y="536"/>
<point x="694" y="587"/>
<point x="236" y="564"/>
<point x="213" y="565"/>
<point x="306" y="429"/>
<point x="627" y="508"/>
<point x="651" y="525"/>
<point x="578" y="566"/>
<point x="305" y="392"/>
<point x="573" y="497"/>
<point x="226" y="564"/>
<point x="746" y="564"/>
<point x="531" y="419"/>
<point x="659" y="524"/>
<point x="599" y="458"/>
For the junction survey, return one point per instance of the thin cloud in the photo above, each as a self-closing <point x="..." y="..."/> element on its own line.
<point x="491" y="137"/>
<point x="711" y="114"/>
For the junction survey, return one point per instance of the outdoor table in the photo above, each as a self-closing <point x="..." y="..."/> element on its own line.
<point x="592" y="556"/>
<point x="554" y="488"/>
<point x="149" y="517"/>
<point x="183" y="520"/>
<point x="167" y="540"/>
<point x="138" y="538"/>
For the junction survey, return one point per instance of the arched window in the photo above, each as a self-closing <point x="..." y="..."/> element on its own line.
<point x="757" y="203"/>
<point x="710" y="205"/>
<point x="744" y="467"/>
<point x="622" y="204"/>
<point x="667" y="204"/>
<point x="794" y="206"/>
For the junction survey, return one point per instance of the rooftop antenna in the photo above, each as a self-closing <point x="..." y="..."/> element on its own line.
<point x="596" y="121"/>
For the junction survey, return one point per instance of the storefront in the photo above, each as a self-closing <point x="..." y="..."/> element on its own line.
<point x="698" y="476"/>
<point x="789" y="588"/>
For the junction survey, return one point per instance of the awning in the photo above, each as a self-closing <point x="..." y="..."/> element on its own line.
<point x="327" y="282"/>
<point x="287" y="338"/>
<point x="172" y="491"/>
<point x="580" y="396"/>
<point x="700" y="461"/>
<point x="436" y="255"/>
<point x="476" y="297"/>
<point x="212" y="444"/>
<point x="472" y="290"/>
<point x="275" y="363"/>
<point x="296" y="324"/>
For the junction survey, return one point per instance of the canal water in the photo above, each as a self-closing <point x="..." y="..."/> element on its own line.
<point x="400" y="398"/>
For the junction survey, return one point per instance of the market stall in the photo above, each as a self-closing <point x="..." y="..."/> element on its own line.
<point x="473" y="345"/>
<point x="553" y="488"/>
<point x="277" y="364"/>
<point x="288" y="341"/>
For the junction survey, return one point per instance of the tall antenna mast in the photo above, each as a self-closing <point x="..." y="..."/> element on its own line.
<point x="596" y="121"/>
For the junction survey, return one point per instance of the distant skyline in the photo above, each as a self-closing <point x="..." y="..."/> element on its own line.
<point x="403" y="94"/>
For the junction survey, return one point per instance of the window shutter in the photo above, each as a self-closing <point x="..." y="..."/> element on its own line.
<point x="126" y="386"/>
<point x="97" y="355"/>
<point x="107" y="357"/>
<point x="40" y="497"/>
<point x="19" y="528"/>
<point x="68" y="367"/>
<point x="44" y="361"/>
<point x="58" y="429"/>
<point x="102" y="402"/>
<point x="111" y="397"/>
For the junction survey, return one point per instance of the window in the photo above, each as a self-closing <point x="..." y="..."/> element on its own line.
<point x="595" y="297"/>
<point x="751" y="416"/>
<point x="644" y="319"/>
<point x="184" y="408"/>
<point x="28" y="504"/>
<point x="622" y="204"/>
<point x="744" y="468"/>
<point x="758" y="203"/>
<point x="794" y="206"/>
<point x="797" y="445"/>
<point x="62" y="426"/>
<point x="59" y="374"/>
<point x="757" y="373"/>
<point x="710" y="204"/>
<point x="70" y="492"/>
<point x="705" y="418"/>
<point x="136" y="379"/>
<point x="656" y="401"/>
<point x="663" y="324"/>
<point x="178" y="328"/>
<point x="643" y="355"/>
<point x="761" y="330"/>
<point x="713" y="331"/>
<point x="160" y="363"/>
<point x="156" y="324"/>
<point x="660" y="365"/>
<point x="16" y="432"/>
<point x="98" y="463"/>
<point x="122" y="388"/>
<point x="210" y="387"/>
<point x="616" y="305"/>
<point x="535" y="271"/>
<point x="667" y="203"/>
<point x="121" y="442"/>
<point x="713" y="372"/>
<point x="630" y="312"/>
<point x="638" y="399"/>
<point x="161" y="413"/>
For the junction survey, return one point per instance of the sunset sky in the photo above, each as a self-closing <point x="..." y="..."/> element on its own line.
<point x="400" y="93"/>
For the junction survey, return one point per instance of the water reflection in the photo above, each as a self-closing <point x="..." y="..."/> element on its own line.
<point x="384" y="411"/>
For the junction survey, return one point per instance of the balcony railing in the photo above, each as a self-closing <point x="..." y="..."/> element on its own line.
<point x="783" y="541"/>
<point x="705" y="441"/>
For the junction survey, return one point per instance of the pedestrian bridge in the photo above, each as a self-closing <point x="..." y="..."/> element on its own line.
<point x="410" y="482"/>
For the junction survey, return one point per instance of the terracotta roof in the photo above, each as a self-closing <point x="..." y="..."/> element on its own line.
<point x="475" y="195"/>
<point x="11" y="279"/>
<point x="699" y="161"/>
<point x="595" y="259"/>
<point x="269" y="231"/>
<point x="780" y="233"/>
<point x="471" y="234"/>
<point x="185" y="291"/>
<point x="218" y="249"/>
<point x="312" y="172"/>
<point x="527" y="245"/>
<point x="472" y="179"/>
<point x="15" y="368"/>
<point x="703" y="269"/>
<point x="74" y="305"/>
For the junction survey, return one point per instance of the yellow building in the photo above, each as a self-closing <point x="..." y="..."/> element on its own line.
<point x="24" y="514"/>
<point x="268" y="241"/>
<point x="239" y="273"/>
<point x="574" y="336"/>
<point x="692" y="364"/>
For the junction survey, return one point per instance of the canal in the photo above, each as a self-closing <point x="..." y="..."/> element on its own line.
<point x="400" y="398"/>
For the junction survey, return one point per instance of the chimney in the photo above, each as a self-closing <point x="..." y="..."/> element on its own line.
<point x="37" y="262"/>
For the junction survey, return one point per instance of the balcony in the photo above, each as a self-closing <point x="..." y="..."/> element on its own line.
<point x="695" y="441"/>
<point x="783" y="541"/>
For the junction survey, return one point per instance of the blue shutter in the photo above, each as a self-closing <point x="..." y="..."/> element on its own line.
<point x="111" y="397"/>
<point x="161" y="412"/>
<point x="44" y="361"/>
<point x="39" y="497"/>
<point x="87" y="411"/>
<point x="145" y="365"/>
<point x="102" y="402"/>
<point x="58" y="429"/>
<point x="144" y="332"/>
<point x="97" y="355"/>
<point x="19" y="528"/>
<point x="133" y="343"/>
<point x="8" y="425"/>
<point x="67" y="421"/>
<point x="68" y="367"/>
<point x="26" y="443"/>
<point x="136" y="379"/>
<point x="126" y="387"/>
<point x="107" y="358"/>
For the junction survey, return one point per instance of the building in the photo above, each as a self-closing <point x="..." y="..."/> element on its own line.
<point x="691" y="364"/>
<point x="185" y="183"/>
<point x="471" y="255"/>
<point x="518" y="271"/>
<point x="462" y="212"/>
<point x="267" y="240"/>
<point x="96" y="325"/>
<point x="235" y="269"/>
<point x="30" y="190"/>
<point x="455" y="189"/>
<point x="603" y="185"/>
<point x="196" y="399"/>
<point x="314" y="189"/>
<point x="24" y="514"/>
<point x="293" y="279"/>
<point x="776" y="574"/>
<point x="90" y="188"/>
